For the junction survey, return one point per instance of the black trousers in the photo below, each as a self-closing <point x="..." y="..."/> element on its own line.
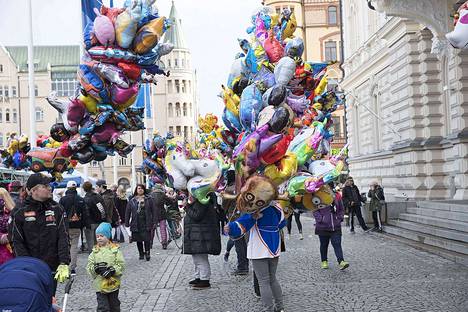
<point x="377" y="223"/>
<point x="356" y="210"/>
<point x="241" y="251"/>
<point x="297" y="217"/>
<point x="143" y="247"/>
<point x="108" y="302"/>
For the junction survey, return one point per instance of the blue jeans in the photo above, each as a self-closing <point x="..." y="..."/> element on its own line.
<point x="336" y="243"/>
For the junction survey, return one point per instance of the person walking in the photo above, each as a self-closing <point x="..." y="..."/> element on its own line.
<point x="74" y="206"/>
<point x="6" y="206"/>
<point x="352" y="201"/>
<point x="95" y="213"/>
<point x="139" y="217"/>
<point x="377" y="200"/>
<point x="108" y="197"/>
<point x="160" y="199"/>
<point x="38" y="228"/>
<point x="201" y="238"/>
<point x="328" y="228"/>
<point x="121" y="202"/>
<point x="105" y="266"/>
<point x="264" y="249"/>
<point x="297" y="216"/>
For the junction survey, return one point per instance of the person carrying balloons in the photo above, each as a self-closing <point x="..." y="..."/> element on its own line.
<point x="106" y="265"/>
<point x="264" y="222"/>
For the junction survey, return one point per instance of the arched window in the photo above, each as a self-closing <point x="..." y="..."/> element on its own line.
<point x="7" y="115"/>
<point x="170" y="89"/>
<point x="171" y="110"/>
<point x="330" y="51"/>
<point x="177" y="109"/>
<point x="185" y="109"/>
<point x="183" y="86"/>
<point x="15" y="115"/>
<point x="39" y="114"/>
<point x="332" y="15"/>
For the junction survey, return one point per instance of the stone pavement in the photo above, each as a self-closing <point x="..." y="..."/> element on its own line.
<point x="384" y="275"/>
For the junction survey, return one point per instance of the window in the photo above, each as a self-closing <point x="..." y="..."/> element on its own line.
<point x="177" y="86"/>
<point x="170" y="111"/>
<point x="1" y="68"/>
<point x="1" y="91"/>
<point x="189" y="87"/>
<point x="64" y="83"/>
<point x="337" y="127"/>
<point x="191" y="113"/>
<point x="185" y="109"/>
<point x="94" y="163"/>
<point x="1" y="139"/>
<point x="291" y="9"/>
<point x="176" y="63"/>
<point x="183" y="63"/>
<point x="15" y="115"/>
<point x="36" y="90"/>
<point x="183" y="86"/>
<point x="1" y="115"/>
<point x="171" y="129"/>
<point x="332" y="17"/>
<point x="330" y="51"/>
<point x="7" y="115"/>
<point x="278" y="10"/>
<point x="169" y="86"/>
<point x="178" y="133"/>
<point x="39" y="114"/>
<point x="177" y="110"/>
<point x="13" y="91"/>
<point x="6" y="91"/>
<point x="169" y="63"/>
<point x="122" y="161"/>
<point x="185" y="132"/>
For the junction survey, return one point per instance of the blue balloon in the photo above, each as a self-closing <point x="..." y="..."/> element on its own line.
<point x="250" y="106"/>
<point x="231" y="121"/>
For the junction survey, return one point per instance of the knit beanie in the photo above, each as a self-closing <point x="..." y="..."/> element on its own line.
<point x="104" y="229"/>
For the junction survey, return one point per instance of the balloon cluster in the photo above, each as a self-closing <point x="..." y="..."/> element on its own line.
<point x="122" y="50"/>
<point x="278" y="116"/>
<point x="458" y="38"/>
<point x="15" y="155"/>
<point x="171" y="161"/>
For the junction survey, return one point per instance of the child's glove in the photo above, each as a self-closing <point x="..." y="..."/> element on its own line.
<point x="62" y="273"/>
<point x="100" y="268"/>
<point x="109" y="272"/>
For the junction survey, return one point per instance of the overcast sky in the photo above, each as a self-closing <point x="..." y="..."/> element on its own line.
<point x="211" y="29"/>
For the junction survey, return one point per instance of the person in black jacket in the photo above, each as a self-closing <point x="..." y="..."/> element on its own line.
<point x="121" y="202"/>
<point x="74" y="206"/>
<point x="38" y="228"/>
<point x="352" y="201"/>
<point x="160" y="199"/>
<point x="95" y="213"/>
<point x="140" y="218"/>
<point x="201" y="238"/>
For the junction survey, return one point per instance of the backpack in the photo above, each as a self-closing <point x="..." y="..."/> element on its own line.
<point x="26" y="285"/>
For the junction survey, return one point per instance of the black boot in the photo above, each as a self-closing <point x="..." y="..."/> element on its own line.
<point x="147" y="256"/>
<point x="202" y="284"/>
<point x="195" y="281"/>
<point x="142" y="256"/>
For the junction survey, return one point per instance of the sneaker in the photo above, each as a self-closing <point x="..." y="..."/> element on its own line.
<point x="367" y="230"/>
<point x="195" y="281"/>
<point x="147" y="256"/>
<point x="226" y="257"/>
<point x="257" y="296"/>
<point x="343" y="265"/>
<point x="72" y="272"/>
<point x="202" y="284"/>
<point x="324" y="264"/>
<point x="301" y="236"/>
<point x="241" y="272"/>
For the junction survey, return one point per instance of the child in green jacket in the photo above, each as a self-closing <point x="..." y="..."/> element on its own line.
<point x="106" y="265"/>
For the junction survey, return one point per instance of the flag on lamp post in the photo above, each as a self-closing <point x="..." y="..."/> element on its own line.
<point x="87" y="11"/>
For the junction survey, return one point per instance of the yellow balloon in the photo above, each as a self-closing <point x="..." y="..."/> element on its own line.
<point x="89" y="102"/>
<point x="321" y="86"/>
<point x="280" y="171"/>
<point x="231" y="100"/>
<point x="290" y="27"/>
<point x="322" y="198"/>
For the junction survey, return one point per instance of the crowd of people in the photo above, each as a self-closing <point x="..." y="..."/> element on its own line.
<point x="32" y="224"/>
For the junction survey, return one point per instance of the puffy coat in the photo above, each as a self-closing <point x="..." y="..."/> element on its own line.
<point x="376" y="198"/>
<point x="159" y="200"/>
<point x="38" y="230"/>
<point x="328" y="219"/>
<point x="74" y="206"/>
<point x="201" y="229"/>
<point x="131" y="215"/>
<point x="111" y="255"/>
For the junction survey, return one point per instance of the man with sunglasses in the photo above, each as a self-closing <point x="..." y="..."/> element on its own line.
<point x="38" y="229"/>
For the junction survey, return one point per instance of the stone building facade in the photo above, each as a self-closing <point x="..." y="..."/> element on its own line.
<point x="407" y="107"/>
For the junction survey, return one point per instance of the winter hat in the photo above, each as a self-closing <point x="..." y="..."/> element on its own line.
<point x="104" y="229"/>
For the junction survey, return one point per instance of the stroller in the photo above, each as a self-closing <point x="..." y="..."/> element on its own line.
<point x="26" y="284"/>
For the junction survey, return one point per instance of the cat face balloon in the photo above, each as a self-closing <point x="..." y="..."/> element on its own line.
<point x="256" y="194"/>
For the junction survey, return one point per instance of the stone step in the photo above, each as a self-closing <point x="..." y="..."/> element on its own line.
<point x="398" y="234"/>
<point x="428" y="239"/>
<point x="434" y="221"/>
<point x="455" y="206"/>
<point x="429" y="229"/>
<point x="443" y="214"/>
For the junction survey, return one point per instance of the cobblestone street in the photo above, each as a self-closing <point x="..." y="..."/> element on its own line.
<point x="384" y="275"/>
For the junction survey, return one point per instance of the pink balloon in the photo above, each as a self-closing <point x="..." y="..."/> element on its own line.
<point x="103" y="29"/>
